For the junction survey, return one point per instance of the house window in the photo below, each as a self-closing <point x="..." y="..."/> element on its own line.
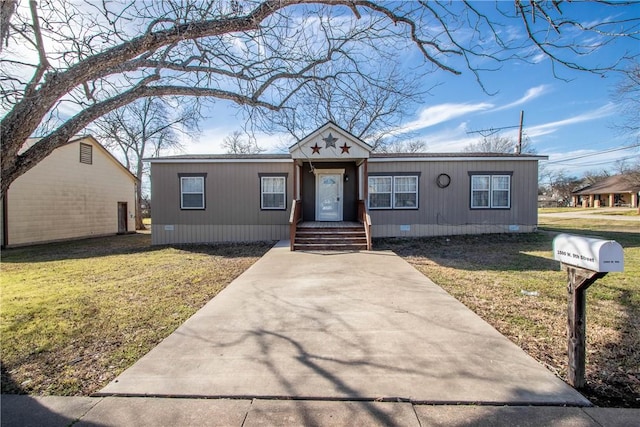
<point x="273" y="192"/>
<point x="490" y="191"/>
<point x="393" y="192"/>
<point x="86" y="153"/>
<point x="405" y="192"/>
<point x="380" y="192"/>
<point x="192" y="192"/>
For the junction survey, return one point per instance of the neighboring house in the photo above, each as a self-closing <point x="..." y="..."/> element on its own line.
<point x="617" y="190"/>
<point x="327" y="180"/>
<point x="79" y="190"/>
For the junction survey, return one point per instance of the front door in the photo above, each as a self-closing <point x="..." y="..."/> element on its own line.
<point x="329" y="197"/>
<point x="122" y="218"/>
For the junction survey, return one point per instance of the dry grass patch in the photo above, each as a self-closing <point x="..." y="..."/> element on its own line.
<point x="493" y="274"/>
<point x="74" y="315"/>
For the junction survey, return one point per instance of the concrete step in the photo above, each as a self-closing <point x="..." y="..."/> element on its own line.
<point x="329" y="247"/>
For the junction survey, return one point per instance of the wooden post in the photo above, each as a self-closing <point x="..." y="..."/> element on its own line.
<point x="578" y="280"/>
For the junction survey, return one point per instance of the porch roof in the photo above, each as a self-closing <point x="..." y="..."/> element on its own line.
<point x="330" y="142"/>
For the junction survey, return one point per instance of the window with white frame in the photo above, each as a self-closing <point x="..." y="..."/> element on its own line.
<point x="393" y="192"/>
<point x="273" y="192"/>
<point x="405" y="192"/>
<point x="490" y="191"/>
<point x="380" y="191"/>
<point x="192" y="192"/>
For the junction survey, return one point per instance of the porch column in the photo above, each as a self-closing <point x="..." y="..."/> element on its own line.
<point x="365" y="181"/>
<point x="612" y="200"/>
<point x="574" y="201"/>
<point x="634" y="200"/>
<point x="296" y="180"/>
<point x="591" y="200"/>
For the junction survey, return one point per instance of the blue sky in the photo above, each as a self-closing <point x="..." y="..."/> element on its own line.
<point x="564" y="118"/>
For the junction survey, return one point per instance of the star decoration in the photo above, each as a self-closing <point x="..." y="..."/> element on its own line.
<point x="330" y="141"/>
<point x="316" y="149"/>
<point x="345" y="148"/>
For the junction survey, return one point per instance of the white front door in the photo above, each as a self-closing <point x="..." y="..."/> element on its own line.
<point x="329" y="197"/>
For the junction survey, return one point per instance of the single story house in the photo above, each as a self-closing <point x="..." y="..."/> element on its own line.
<point x="332" y="182"/>
<point x="617" y="190"/>
<point x="80" y="190"/>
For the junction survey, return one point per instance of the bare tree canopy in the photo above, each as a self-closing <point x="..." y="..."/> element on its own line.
<point x="234" y="143"/>
<point x="627" y="98"/>
<point x="500" y="144"/>
<point x="144" y="128"/>
<point x="65" y="63"/>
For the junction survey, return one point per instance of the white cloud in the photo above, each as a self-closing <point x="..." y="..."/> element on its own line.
<point x="551" y="127"/>
<point x="211" y="139"/>
<point x="450" y="140"/>
<point x="533" y="93"/>
<point x="431" y="116"/>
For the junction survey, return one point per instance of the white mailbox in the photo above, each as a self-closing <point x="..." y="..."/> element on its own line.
<point x="588" y="253"/>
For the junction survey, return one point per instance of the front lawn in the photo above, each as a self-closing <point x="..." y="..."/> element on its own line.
<point x="513" y="283"/>
<point x="76" y="314"/>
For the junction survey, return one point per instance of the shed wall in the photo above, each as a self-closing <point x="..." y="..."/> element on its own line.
<point x="61" y="198"/>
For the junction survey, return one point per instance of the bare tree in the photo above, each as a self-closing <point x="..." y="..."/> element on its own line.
<point x="371" y="112"/>
<point x="66" y="63"/>
<point x="500" y="144"/>
<point x="563" y="185"/>
<point x="404" y="146"/>
<point x="146" y="128"/>
<point x="627" y="98"/>
<point x="234" y="143"/>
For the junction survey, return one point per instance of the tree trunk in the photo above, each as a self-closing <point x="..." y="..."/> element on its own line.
<point x="139" y="223"/>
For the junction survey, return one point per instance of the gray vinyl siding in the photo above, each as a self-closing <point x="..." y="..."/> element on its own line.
<point x="232" y="203"/>
<point x="447" y="210"/>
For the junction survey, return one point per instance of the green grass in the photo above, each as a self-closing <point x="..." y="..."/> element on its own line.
<point x="564" y="210"/>
<point x="626" y="212"/>
<point x="74" y="315"/>
<point x="489" y="273"/>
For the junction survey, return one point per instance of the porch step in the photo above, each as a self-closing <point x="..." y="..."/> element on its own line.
<point x="351" y="238"/>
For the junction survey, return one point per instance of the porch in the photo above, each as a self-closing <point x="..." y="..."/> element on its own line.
<point x="329" y="235"/>
<point x="330" y="191"/>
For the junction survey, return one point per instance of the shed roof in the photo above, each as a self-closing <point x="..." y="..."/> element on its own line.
<point x="612" y="184"/>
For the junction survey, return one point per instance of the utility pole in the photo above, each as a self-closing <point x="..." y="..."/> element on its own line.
<point x="520" y="132"/>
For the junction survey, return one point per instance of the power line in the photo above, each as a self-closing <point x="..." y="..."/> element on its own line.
<point x="597" y="153"/>
<point x="621" y="159"/>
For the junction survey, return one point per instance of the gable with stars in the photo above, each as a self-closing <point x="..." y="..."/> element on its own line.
<point x="330" y="142"/>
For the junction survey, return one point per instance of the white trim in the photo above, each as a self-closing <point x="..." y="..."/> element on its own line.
<point x="219" y="160"/>
<point x="452" y="159"/>
<point x="490" y="191"/>
<point x="390" y="177"/>
<point x="284" y="193"/>
<point x="393" y="188"/>
<point x="182" y="193"/>
<point x="333" y="127"/>
<point x="328" y="171"/>
<point x="371" y="159"/>
<point x="337" y="172"/>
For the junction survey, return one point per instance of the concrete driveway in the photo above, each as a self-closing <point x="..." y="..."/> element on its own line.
<point x="340" y="326"/>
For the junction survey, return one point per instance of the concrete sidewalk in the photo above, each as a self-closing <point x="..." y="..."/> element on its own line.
<point x="328" y="339"/>
<point x="347" y="326"/>
<point x="54" y="411"/>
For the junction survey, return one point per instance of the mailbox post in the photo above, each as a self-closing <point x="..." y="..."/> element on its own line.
<point x="585" y="260"/>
